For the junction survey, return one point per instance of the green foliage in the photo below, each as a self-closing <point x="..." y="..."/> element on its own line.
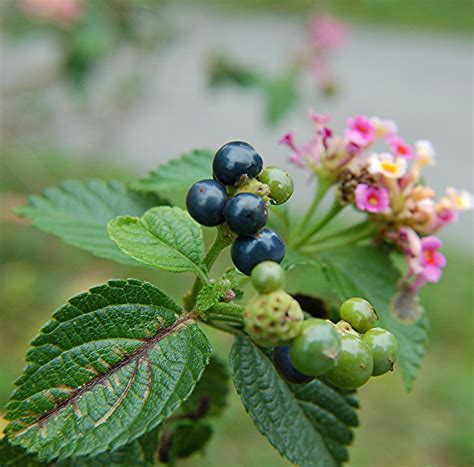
<point x="176" y="176"/>
<point x="210" y="394"/>
<point x="111" y="365"/>
<point x="184" y="440"/>
<point x="281" y="96"/>
<point x="308" y="424"/>
<point x="78" y="212"/>
<point x="165" y="238"/>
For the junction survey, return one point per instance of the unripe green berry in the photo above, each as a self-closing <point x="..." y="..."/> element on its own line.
<point x="317" y="347"/>
<point x="355" y="364"/>
<point x="384" y="347"/>
<point x="267" y="277"/>
<point x="280" y="183"/>
<point x="273" y="319"/>
<point x="359" y="313"/>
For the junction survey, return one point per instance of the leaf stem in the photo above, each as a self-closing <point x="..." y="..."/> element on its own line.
<point x="341" y="241"/>
<point x="321" y="190"/>
<point x="335" y="209"/>
<point x="221" y="241"/>
<point x="340" y="232"/>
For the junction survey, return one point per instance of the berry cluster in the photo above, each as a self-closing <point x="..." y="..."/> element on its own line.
<point x="239" y="195"/>
<point x="347" y="353"/>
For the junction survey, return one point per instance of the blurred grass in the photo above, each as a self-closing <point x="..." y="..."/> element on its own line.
<point x="434" y="15"/>
<point x="431" y="426"/>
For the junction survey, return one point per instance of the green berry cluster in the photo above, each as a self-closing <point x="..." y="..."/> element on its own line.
<point x="347" y="353"/>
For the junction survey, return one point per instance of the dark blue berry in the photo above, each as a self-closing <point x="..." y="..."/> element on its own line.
<point x="205" y="202"/>
<point x="247" y="252"/>
<point x="246" y="213"/>
<point x="284" y="366"/>
<point x="236" y="160"/>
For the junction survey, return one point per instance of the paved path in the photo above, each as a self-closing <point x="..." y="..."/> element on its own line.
<point x="423" y="82"/>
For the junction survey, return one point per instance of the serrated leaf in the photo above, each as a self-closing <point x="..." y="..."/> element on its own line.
<point x="15" y="456"/>
<point x="78" y="213"/>
<point x="165" y="238"/>
<point x="141" y="452"/>
<point x="210" y="394"/>
<point x="178" y="174"/>
<point x="112" y="364"/>
<point x="368" y="272"/>
<point x="309" y="424"/>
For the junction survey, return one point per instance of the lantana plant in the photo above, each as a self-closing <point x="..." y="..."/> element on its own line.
<point x="325" y="35"/>
<point x="124" y="375"/>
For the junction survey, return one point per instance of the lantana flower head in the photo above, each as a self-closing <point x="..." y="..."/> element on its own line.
<point x="326" y="32"/>
<point x="62" y="12"/>
<point x="386" y="185"/>
<point x="387" y="165"/>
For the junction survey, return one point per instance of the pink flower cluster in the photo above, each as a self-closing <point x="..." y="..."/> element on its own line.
<point x="62" y="12"/>
<point x="387" y="185"/>
<point x="327" y="34"/>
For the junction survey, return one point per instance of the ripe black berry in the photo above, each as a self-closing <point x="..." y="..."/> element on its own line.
<point x="206" y="201"/>
<point x="246" y="213"/>
<point x="284" y="366"/>
<point x="236" y="161"/>
<point x="247" y="252"/>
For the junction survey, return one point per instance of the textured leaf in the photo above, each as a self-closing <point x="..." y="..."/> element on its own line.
<point x="143" y="452"/>
<point x="165" y="238"/>
<point x="78" y="212"/>
<point x="178" y="174"/>
<point x="15" y="456"/>
<point x="110" y="366"/>
<point x="309" y="424"/>
<point x="368" y="272"/>
<point x="210" y="394"/>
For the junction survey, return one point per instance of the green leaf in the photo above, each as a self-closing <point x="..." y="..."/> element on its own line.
<point x="308" y="424"/>
<point x="179" y="174"/>
<point x="184" y="440"/>
<point x="369" y="273"/>
<point x="15" y="456"/>
<point x="142" y="452"/>
<point x="281" y="96"/>
<point x="110" y="365"/>
<point x="210" y="394"/>
<point x="78" y="212"/>
<point x="165" y="238"/>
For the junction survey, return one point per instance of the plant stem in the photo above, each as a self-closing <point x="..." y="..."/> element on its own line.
<point x="321" y="190"/>
<point x="339" y="233"/>
<point x="331" y="214"/>
<point x="229" y="312"/>
<point x="221" y="241"/>
<point x="341" y="241"/>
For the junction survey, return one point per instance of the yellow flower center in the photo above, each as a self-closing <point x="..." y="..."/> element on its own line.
<point x="373" y="200"/>
<point x="389" y="167"/>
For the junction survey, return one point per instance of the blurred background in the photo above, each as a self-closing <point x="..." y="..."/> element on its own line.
<point x="96" y="88"/>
